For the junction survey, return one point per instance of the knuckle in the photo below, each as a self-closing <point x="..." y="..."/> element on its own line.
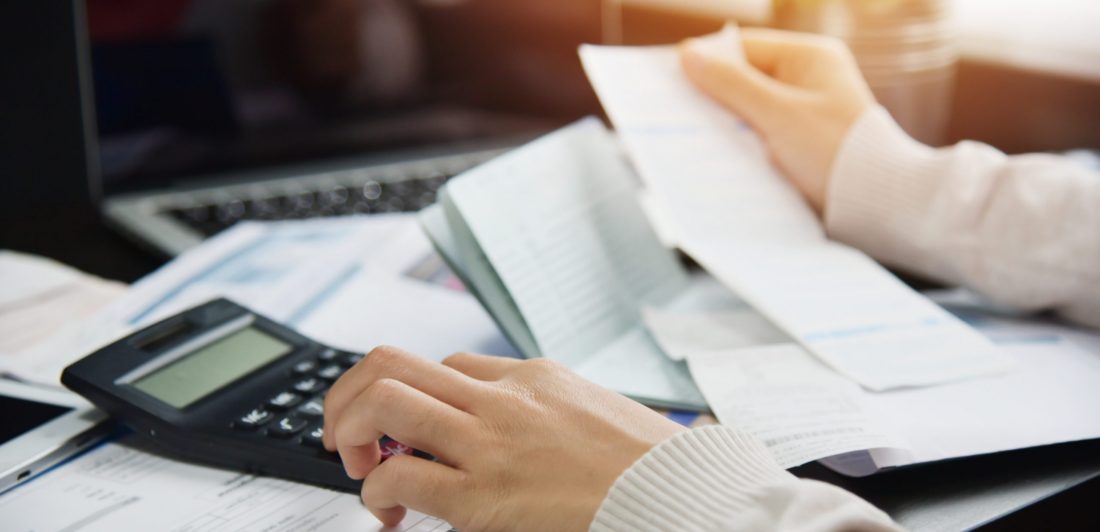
<point x="386" y="362"/>
<point x="330" y="401"/>
<point x="340" y="433"/>
<point x="395" y="470"/>
<point x="383" y="392"/>
<point x="382" y="355"/>
<point x="835" y="47"/>
<point x="543" y="365"/>
<point x="457" y="359"/>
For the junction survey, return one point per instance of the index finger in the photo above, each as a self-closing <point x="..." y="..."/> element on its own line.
<point x="385" y="362"/>
<point x="767" y="49"/>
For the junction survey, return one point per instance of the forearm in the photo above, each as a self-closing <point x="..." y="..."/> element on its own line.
<point x="1024" y="230"/>
<point x="718" y="478"/>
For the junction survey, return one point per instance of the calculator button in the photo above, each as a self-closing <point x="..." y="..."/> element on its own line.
<point x="286" y="426"/>
<point x="253" y="420"/>
<point x="331" y="373"/>
<point x="393" y="448"/>
<point x="309" y="385"/>
<point x="313" y="408"/>
<point x="284" y="400"/>
<point x="328" y="355"/>
<point x="305" y="366"/>
<point x="351" y="359"/>
<point x="312" y="437"/>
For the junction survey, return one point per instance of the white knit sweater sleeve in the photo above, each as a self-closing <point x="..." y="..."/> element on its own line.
<point x="1022" y="230"/>
<point x="718" y="478"/>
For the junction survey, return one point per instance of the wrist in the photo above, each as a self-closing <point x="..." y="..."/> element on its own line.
<point x="878" y="182"/>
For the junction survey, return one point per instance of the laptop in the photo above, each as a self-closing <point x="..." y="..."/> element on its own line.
<point x="208" y="112"/>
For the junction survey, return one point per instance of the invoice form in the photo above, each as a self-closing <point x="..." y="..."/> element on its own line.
<point x="116" y="487"/>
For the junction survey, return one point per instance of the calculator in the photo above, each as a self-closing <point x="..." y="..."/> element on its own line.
<point x="219" y="384"/>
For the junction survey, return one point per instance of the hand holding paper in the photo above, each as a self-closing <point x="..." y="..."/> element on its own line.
<point x="801" y="92"/>
<point x="735" y="215"/>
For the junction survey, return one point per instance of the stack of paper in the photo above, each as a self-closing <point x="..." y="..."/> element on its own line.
<point x="803" y="411"/>
<point x="748" y="227"/>
<point x="930" y="387"/>
<point x="553" y="241"/>
<point x="354" y="283"/>
<point x="38" y="297"/>
<point x="117" y="487"/>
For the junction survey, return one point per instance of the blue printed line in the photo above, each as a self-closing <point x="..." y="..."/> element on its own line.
<point x="1033" y="339"/>
<point x="868" y="329"/>
<point x="194" y="279"/>
<point x="317" y="300"/>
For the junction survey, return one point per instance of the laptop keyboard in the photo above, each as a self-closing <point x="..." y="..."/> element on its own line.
<point x="368" y="197"/>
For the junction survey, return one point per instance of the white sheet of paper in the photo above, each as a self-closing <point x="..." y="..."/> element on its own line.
<point x="732" y="212"/>
<point x="40" y="297"/>
<point x="797" y="407"/>
<point x="115" y="487"/>
<point x="552" y="214"/>
<point x="24" y="277"/>
<point x="1051" y="399"/>
<point x="341" y="281"/>
<point x="387" y="300"/>
<point x="708" y="317"/>
<point x="558" y="222"/>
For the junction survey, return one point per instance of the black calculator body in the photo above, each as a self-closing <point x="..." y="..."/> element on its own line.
<point x="221" y="385"/>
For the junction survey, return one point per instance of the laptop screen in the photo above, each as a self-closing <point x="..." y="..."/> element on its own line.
<point x="192" y="88"/>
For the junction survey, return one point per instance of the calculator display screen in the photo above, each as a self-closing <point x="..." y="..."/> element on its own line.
<point x="212" y="366"/>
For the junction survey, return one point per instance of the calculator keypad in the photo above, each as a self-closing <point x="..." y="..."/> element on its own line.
<point x="284" y="400"/>
<point x="312" y="437"/>
<point x="302" y="405"/>
<point x="287" y="426"/>
<point x="309" y="385"/>
<point x="328" y="355"/>
<point x="393" y="448"/>
<point x="331" y="373"/>
<point x="305" y="367"/>
<point x="253" y="419"/>
<point x="313" y="408"/>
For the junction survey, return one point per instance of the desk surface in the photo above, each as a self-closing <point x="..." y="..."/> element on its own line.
<point x="1028" y="489"/>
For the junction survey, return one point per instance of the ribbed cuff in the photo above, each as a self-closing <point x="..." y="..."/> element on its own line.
<point x="697" y="480"/>
<point x="881" y="186"/>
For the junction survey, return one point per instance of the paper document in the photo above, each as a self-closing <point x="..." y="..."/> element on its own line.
<point x="115" y="487"/>
<point x="708" y="317"/>
<point x="798" y="408"/>
<point x="39" y="297"/>
<point x="552" y="239"/>
<point x="735" y="215"/>
<point x="784" y="396"/>
<point x="352" y="282"/>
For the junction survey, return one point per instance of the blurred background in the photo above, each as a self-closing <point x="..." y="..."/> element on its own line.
<point x="1023" y="76"/>
<point x="174" y="91"/>
<point x="186" y="87"/>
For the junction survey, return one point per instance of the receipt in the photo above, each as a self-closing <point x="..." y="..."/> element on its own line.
<point x="744" y="223"/>
<point x="796" y="407"/>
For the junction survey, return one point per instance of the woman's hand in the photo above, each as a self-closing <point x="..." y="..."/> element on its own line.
<point x="801" y="92"/>
<point x="522" y="445"/>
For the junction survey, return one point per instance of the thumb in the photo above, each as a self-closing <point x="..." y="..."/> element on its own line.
<point x="733" y="82"/>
